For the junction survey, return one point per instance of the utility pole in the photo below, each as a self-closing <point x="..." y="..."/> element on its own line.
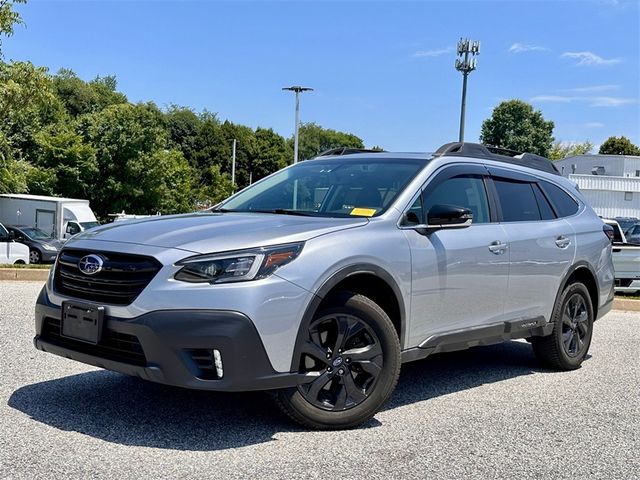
<point x="233" y="166"/>
<point x="465" y="65"/>
<point x="297" y="89"/>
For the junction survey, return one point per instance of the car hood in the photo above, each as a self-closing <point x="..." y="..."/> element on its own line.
<point x="217" y="232"/>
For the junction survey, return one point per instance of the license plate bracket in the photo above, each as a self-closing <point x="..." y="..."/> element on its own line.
<point x="82" y="321"/>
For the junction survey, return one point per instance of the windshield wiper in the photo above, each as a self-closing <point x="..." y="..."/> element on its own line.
<point x="285" y="211"/>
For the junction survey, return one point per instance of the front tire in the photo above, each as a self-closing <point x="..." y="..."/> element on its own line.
<point x="350" y="361"/>
<point x="568" y="344"/>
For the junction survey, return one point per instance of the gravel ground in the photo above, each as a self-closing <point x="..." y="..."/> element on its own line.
<point x="489" y="412"/>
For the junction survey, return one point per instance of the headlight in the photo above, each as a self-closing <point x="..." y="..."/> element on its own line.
<point x="51" y="248"/>
<point x="238" y="266"/>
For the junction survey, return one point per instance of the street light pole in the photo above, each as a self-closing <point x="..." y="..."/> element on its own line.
<point x="297" y="89"/>
<point x="465" y="65"/>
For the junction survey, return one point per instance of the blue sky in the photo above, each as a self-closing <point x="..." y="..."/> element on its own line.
<point x="381" y="70"/>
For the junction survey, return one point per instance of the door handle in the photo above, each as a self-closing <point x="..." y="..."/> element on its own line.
<point x="562" y="241"/>
<point x="498" y="247"/>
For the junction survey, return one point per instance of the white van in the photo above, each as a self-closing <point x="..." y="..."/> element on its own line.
<point x="11" y="252"/>
<point x="59" y="217"/>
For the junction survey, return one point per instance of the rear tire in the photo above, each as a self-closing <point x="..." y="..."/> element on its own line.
<point x="352" y="356"/>
<point x="568" y="344"/>
<point x="34" y="256"/>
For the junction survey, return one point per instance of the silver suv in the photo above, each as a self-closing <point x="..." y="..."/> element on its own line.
<point x="320" y="280"/>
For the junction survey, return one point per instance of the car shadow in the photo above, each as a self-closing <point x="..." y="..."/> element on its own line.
<point x="130" y="411"/>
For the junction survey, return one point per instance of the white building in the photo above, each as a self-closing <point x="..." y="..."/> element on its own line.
<point x="610" y="183"/>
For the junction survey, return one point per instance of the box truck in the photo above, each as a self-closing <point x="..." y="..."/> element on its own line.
<point x="59" y="217"/>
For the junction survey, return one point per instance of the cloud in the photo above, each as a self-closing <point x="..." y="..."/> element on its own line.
<point x="590" y="59"/>
<point x="594" y="125"/>
<point x="522" y="47"/>
<point x="434" y="53"/>
<point x="599" y="101"/>
<point x="593" y="89"/>
<point x="611" y="101"/>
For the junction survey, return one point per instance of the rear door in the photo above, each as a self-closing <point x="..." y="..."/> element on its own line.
<point x="542" y="245"/>
<point x="459" y="276"/>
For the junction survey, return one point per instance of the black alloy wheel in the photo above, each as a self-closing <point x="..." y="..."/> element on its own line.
<point x="575" y="327"/>
<point x="344" y="358"/>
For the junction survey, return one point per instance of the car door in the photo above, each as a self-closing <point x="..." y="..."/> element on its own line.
<point x="542" y="244"/>
<point x="459" y="276"/>
<point x="5" y="245"/>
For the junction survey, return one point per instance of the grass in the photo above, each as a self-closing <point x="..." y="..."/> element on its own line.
<point x="37" y="266"/>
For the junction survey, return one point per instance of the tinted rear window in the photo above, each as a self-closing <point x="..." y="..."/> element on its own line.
<point x="565" y="205"/>
<point x="517" y="200"/>
<point x="545" y="209"/>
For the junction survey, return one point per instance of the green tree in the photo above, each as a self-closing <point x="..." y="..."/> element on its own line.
<point x="183" y="125"/>
<point x="13" y="172"/>
<point x="561" y="150"/>
<point x="68" y="159"/>
<point x="272" y="153"/>
<point x="618" y="146"/>
<point x="515" y="125"/>
<point x="80" y="97"/>
<point x="164" y="183"/>
<point x="313" y="139"/>
<point x="27" y="105"/>
<point x="9" y="18"/>
<point x="123" y="136"/>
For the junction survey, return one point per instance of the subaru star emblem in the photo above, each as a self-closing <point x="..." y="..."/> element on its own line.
<point x="90" y="264"/>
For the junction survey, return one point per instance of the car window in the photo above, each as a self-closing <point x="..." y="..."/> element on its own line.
<point x="517" y="200"/>
<point x="565" y="206"/>
<point x="546" y="211"/>
<point x="4" y="235"/>
<point x="465" y="191"/>
<point x="335" y="187"/>
<point x="415" y="214"/>
<point x="73" y="228"/>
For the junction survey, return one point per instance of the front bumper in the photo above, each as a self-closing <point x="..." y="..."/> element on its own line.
<point x="163" y="343"/>
<point x="48" y="257"/>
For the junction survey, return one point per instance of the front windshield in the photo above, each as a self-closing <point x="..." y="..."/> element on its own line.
<point x="329" y="188"/>
<point x="36" y="233"/>
<point x="88" y="225"/>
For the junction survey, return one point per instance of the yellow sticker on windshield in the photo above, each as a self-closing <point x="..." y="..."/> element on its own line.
<point x="365" y="212"/>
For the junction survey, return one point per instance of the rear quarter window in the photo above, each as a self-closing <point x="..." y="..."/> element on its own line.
<point x="564" y="205"/>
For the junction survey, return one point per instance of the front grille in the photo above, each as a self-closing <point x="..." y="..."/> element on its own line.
<point x="117" y="346"/>
<point x="121" y="280"/>
<point x="203" y="359"/>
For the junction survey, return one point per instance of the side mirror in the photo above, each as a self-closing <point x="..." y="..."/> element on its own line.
<point x="449" y="216"/>
<point x="12" y="236"/>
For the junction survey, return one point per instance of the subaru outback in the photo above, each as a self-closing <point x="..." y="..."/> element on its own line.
<point x="317" y="282"/>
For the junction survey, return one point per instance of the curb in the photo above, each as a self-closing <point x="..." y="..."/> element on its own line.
<point x="24" y="274"/>
<point x="627" y="304"/>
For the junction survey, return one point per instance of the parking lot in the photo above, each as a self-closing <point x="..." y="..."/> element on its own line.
<point x="489" y="412"/>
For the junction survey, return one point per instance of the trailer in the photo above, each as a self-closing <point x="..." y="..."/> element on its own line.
<point x="59" y="217"/>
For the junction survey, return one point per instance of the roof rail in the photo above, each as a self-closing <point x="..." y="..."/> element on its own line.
<point x="465" y="149"/>
<point x="346" y="151"/>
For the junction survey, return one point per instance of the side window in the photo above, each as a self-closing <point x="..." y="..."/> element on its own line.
<point x="564" y="205"/>
<point x="517" y="200"/>
<point x="72" y="228"/>
<point x="545" y="209"/>
<point x="465" y="191"/>
<point x="4" y="235"/>
<point x="415" y="215"/>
